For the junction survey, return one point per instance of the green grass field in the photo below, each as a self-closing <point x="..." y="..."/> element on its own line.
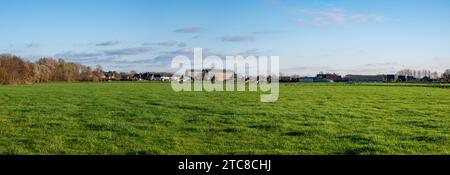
<point x="150" y="118"/>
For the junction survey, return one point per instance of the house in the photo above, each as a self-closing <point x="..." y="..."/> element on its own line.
<point x="124" y="76"/>
<point x="156" y="77"/>
<point x="333" y="77"/>
<point x="137" y="77"/>
<point x="365" y="78"/>
<point x="146" y="76"/>
<point x="411" y="79"/>
<point x="109" y="76"/>
<point x="426" y="79"/>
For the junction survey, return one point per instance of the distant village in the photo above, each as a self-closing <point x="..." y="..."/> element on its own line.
<point x="404" y="76"/>
<point x="14" y="70"/>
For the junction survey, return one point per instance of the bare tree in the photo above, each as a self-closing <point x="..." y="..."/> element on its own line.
<point x="446" y="75"/>
<point x="434" y="75"/>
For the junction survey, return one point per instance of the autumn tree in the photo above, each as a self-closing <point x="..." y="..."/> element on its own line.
<point x="117" y="76"/>
<point x="86" y="73"/>
<point x="3" y="75"/>
<point x="14" y="70"/>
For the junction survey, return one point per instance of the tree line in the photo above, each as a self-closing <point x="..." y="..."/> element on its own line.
<point x="424" y="73"/>
<point x="418" y="73"/>
<point x="14" y="70"/>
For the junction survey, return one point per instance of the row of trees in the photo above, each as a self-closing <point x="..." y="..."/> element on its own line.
<point x="419" y="73"/>
<point x="14" y="70"/>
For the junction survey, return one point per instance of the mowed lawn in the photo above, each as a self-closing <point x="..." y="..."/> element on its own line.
<point x="150" y="118"/>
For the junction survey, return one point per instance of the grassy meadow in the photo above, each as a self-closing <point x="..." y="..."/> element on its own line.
<point x="150" y="118"/>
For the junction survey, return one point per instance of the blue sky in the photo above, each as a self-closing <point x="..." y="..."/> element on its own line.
<point x="351" y="36"/>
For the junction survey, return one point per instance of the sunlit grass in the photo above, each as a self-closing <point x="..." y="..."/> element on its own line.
<point x="150" y="118"/>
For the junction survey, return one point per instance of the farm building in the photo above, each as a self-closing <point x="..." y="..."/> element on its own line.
<point x="426" y="79"/>
<point x="401" y="78"/>
<point x="332" y="77"/>
<point x="217" y="75"/>
<point x="124" y="76"/>
<point x="389" y="78"/>
<point x="411" y="79"/>
<point x="306" y="79"/>
<point x="365" y="78"/>
<point x="194" y="74"/>
<point x="220" y="75"/>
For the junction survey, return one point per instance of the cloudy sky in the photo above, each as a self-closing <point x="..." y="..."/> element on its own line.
<point x="343" y="36"/>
